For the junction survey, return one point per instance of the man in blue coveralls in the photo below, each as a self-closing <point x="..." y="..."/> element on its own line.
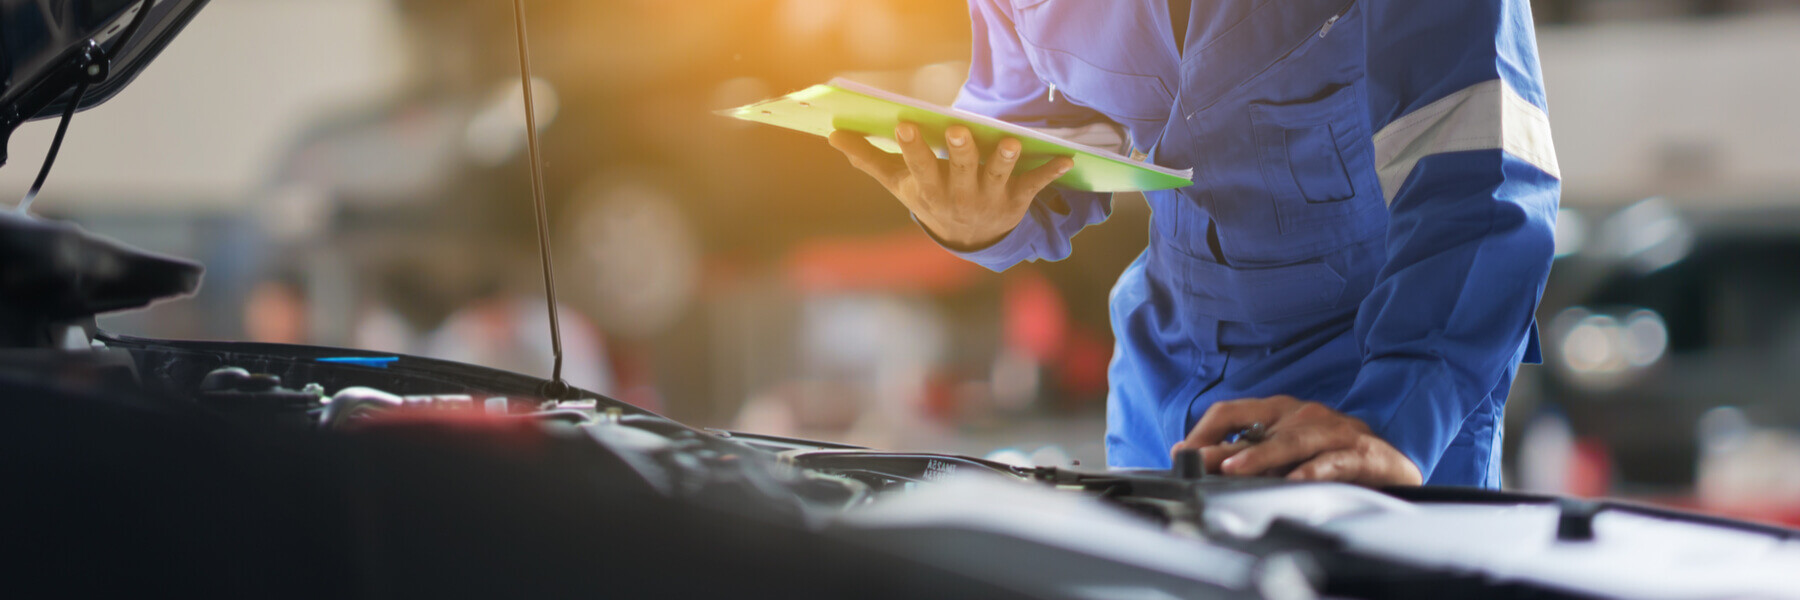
<point x="1355" y="269"/>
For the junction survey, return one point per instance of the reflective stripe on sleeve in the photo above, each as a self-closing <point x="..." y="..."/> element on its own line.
<point x="1485" y="116"/>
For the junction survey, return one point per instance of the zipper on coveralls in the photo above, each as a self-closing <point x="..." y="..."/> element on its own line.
<point x="1334" y="19"/>
<point x="1323" y="29"/>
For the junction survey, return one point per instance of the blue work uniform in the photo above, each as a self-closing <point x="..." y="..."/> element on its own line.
<point x="1370" y="224"/>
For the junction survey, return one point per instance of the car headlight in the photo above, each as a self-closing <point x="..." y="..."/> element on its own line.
<point x="1603" y="351"/>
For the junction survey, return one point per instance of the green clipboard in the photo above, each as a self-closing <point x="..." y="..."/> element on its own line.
<point x="851" y="106"/>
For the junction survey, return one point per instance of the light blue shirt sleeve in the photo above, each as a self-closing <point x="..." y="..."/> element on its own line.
<point x="1002" y="85"/>
<point x="1463" y="148"/>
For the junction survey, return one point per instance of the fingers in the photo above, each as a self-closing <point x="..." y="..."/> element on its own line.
<point x="1027" y="186"/>
<point x="965" y="159"/>
<point x="1213" y="456"/>
<point x="1336" y="465"/>
<point x="1000" y="165"/>
<point x="885" y="168"/>
<point x="1288" y="447"/>
<point x="1305" y="441"/>
<point x="1229" y="417"/>
<point x="1369" y="461"/>
<point x="920" y="160"/>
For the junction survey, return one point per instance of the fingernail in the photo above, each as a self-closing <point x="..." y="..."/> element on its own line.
<point x="957" y="140"/>
<point x="1064" y="169"/>
<point x="1009" y="153"/>
<point x="1229" y="463"/>
<point x="904" y="132"/>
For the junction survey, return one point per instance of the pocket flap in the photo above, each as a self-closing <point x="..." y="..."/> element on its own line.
<point x="1263" y="294"/>
<point x="1331" y="105"/>
<point x="1319" y="168"/>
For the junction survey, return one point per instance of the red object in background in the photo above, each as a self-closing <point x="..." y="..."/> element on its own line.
<point x="1590" y="476"/>
<point x="1037" y="323"/>
<point x="1081" y="369"/>
<point x="1787" y="516"/>
<point x="1590" y="469"/>
<point x="1034" y="318"/>
<point x="634" y="377"/>
<point x="940" y="403"/>
<point x="903" y="260"/>
<point x="516" y="438"/>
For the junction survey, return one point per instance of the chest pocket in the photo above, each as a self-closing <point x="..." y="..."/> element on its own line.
<point x="1074" y="46"/>
<point x="1318" y="164"/>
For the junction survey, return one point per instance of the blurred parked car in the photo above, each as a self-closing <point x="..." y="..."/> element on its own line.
<point x="1668" y="334"/>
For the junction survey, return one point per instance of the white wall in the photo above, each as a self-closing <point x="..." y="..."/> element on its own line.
<point x="1701" y="110"/>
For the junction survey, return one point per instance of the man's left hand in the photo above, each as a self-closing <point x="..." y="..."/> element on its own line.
<point x="1303" y="440"/>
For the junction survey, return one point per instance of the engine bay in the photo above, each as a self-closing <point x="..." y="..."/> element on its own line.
<point x="1038" y="531"/>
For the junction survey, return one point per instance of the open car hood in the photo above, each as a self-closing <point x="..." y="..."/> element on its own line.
<point x="58" y="276"/>
<point x="45" y="46"/>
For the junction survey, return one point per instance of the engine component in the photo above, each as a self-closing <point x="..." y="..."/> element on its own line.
<point x="239" y="394"/>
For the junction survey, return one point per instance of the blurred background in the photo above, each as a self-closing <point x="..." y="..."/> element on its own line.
<point x="352" y="173"/>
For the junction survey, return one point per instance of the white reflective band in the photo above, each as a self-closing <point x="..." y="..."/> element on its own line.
<point x="1485" y="116"/>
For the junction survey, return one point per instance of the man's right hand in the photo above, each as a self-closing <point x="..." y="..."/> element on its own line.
<point x="964" y="203"/>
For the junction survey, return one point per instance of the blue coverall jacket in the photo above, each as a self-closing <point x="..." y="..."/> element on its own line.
<point x="1371" y="221"/>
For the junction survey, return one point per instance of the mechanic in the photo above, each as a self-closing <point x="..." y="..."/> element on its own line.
<point x="1354" y="272"/>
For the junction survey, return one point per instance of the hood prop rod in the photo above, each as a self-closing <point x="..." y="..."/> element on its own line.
<point x="556" y="388"/>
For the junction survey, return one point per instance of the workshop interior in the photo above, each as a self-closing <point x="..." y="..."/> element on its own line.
<point x="410" y="298"/>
